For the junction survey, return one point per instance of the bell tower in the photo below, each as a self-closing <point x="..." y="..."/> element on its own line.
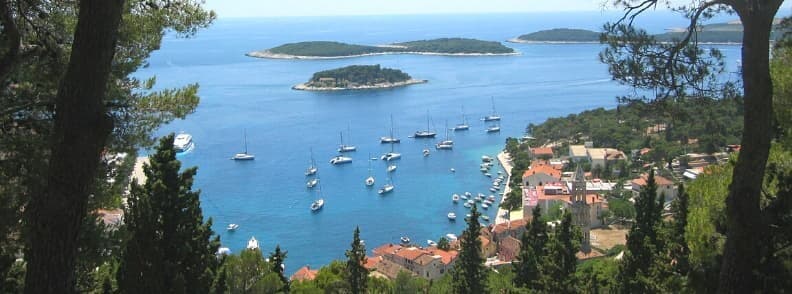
<point x="581" y="210"/>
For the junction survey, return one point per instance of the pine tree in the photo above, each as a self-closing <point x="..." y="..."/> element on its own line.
<point x="277" y="259"/>
<point x="469" y="274"/>
<point x="679" y="248"/>
<point x="169" y="248"/>
<point x="221" y="284"/>
<point x="527" y="269"/>
<point x="560" y="263"/>
<point x="642" y="242"/>
<point x="357" y="275"/>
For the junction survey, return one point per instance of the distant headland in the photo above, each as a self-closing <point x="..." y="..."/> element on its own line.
<point x="358" y="77"/>
<point x="717" y="33"/>
<point x="330" y="49"/>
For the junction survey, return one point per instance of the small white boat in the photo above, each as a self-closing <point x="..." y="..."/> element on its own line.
<point x="431" y="243"/>
<point x="491" y="198"/>
<point x="451" y="237"/>
<point x="487" y="202"/>
<point x="451" y="216"/>
<point x="453" y="170"/>
<point x="340" y="159"/>
<point x="182" y="142"/>
<point x="387" y="188"/>
<point x="311" y="170"/>
<point x="391" y="168"/>
<point x="312" y="183"/>
<point x="463" y="197"/>
<point x="232" y="227"/>
<point x="223" y="251"/>
<point x="252" y="243"/>
<point x="405" y="239"/>
<point x="370" y="181"/>
<point x="455" y="198"/>
<point x="317" y="204"/>
<point x="492" y="189"/>
<point x="426" y="152"/>
<point x="468" y="205"/>
<point x="468" y="194"/>
<point x="471" y="202"/>
<point x="485" y="205"/>
<point x="485" y="218"/>
<point x="463" y="126"/>
<point x="485" y="158"/>
<point x="500" y="172"/>
<point x="488" y="174"/>
<point x="441" y="146"/>
<point x="484" y="169"/>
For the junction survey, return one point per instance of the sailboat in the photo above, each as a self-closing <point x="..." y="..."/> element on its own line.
<point x="319" y="202"/>
<point x="312" y="182"/>
<point x="493" y="128"/>
<point x="387" y="188"/>
<point x="390" y="139"/>
<point x="447" y="143"/>
<point x="346" y="148"/>
<point x="463" y="126"/>
<point x="425" y="133"/>
<point x="370" y="179"/>
<point x="391" y="155"/>
<point x="494" y="116"/>
<point x="244" y="155"/>
<point x="312" y="169"/>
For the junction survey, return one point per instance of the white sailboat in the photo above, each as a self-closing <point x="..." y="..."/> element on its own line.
<point x="387" y="188"/>
<point x="463" y="126"/>
<point x="493" y="128"/>
<point x="312" y="169"/>
<point x="244" y="155"/>
<point x="252" y="243"/>
<point x="370" y="179"/>
<point x="391" y="167"/>
<point x="346" y="148"/>
<point x="391" y="155"/>
<point x="390" y="139"/>
<point x="494" y="115"/>
<point x="446" y="144"/>
<point x="312" y="183"/>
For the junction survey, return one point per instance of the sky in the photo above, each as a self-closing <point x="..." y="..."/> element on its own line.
<point x="276" y="8"/>
<point x="280" y="8"/>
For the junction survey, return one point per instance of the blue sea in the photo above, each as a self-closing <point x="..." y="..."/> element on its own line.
<point x="268" y="197"/>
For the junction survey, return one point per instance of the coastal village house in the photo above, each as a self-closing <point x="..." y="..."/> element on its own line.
<point x="540" y="173"/>
<point x="429" y="263"/>
<point x="542" y="153"/>
<point x="304" y="274"/>
<point x="559" y="193"/>
<point x="665" y="187"/>
<point x="597" y="156"/>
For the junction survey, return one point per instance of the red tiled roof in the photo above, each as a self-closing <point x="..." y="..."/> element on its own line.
<point x="542" y="168"/>
<point x="304" y="274"/>
<point x="502" y="227"/>
<point x="387" y="249"/>
<point x="539" y="151"/>
<point x="410" y="253"/>
<point x="424" y="259"/>
<point x="372" y="262"/>
<point x="446" y="256"/>
<point x="660" y="181"/>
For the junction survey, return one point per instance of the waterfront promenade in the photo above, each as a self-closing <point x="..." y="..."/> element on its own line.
<point x="505" y="161"/>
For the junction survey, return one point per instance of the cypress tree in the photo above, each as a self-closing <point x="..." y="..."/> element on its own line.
<point x="276" y="261"/>
<point x="357" y="275"/>
<point x="527" y="268"/>
<point x="634" y="272"/>
<point x="560" y="263"/>
<point x="679" y="248"/>
<point x="221" y="284"/>
<point x="169" y="247"/>
<point x="469" y="274"/>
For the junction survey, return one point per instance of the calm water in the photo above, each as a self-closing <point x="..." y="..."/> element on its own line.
<point x="268" y="197"/>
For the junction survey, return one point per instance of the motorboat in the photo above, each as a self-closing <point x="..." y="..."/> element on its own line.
<point x="451" y="216"/>
<point x="244" y="155"/>
<point x="252" y="243"/>
<point x="182" y="142"/>
<point x="467" y="205"/>
<point x="485" y="158"/>
<point x="340" y="159"/>
<point x="485" y="205"/>
<point x="492" y="189"/>
<point x="463" y="197"/>
<point x="387" y="188"/>
<point x="312" y="182"/>
<point x="453" y="170"/>
<point x="471" y="202"/>
<point x="223" y="251"/>
<point x="426" y="152"/>
<point x="491" y="198"/>
<point x="391" y="156"/>
<point x="485" y="218"/>
<point x="488" y="174"/>
<point x="232" y="227"/>
<point x="455" y="198"/>
<point x="431" y="243"/>
<point x="468" y="194"/>
<point x="391" y="168"/>
<point x="451" y="237"/>
<point x="317" y="204"/>
<point x="405" y="240"/>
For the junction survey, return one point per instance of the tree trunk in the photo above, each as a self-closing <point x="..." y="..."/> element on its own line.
<point x="81" y="128"/>
<point x="744" y="226"/>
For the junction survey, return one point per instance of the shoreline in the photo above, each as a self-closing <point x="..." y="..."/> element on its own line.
<point x="521" y="41"/>
<point x="505" y="161"/>
<point x="269" y="55"/>
<point x="305" y="87"/>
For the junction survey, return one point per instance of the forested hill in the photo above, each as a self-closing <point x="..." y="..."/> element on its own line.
<point x="712" y="33"/>
<point x="330" y="49"/>
<point x="362" y="75"/>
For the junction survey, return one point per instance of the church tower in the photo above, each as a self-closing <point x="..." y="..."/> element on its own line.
<point x="581" y="210"/>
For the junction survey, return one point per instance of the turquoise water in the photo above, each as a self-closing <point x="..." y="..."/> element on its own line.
<point x="268" y="198"/>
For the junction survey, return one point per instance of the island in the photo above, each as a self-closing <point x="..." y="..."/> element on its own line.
<point x="716" y="33"/>
<point x="331" y="49"/>
<point x="357" y="77"/>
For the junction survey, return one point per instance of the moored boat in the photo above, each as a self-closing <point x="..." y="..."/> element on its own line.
<point x="232" y="227"/>
<point x="340" y="159"/>
<point x="451" y="216"/>
<point x="252" y="244"/>
<point x="182" y="142"/>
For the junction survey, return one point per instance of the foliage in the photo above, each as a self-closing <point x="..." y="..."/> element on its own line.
<point x="561" y="35"/>
<point x="406" y="283"/>
<point x="360" y="75"/>
<point x="169" y="247"/>
<point x="443" y="244"/>
<point x="442" y="45"/>
<point x="357" y="275"/>
<point x="711" y="33"/>
<point x="781" y="70"/>
<point x="560" y="263"/>
<point x="621" y="208"/>
<point x="642" y="242"/>
<point x="469" y="274"/>
<point x="276" y="260"/>
<point x="527" y="271"/>
<point x="597" y="276"/>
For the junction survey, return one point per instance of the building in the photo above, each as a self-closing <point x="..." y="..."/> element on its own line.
<point x="560" y="193"/>
<point x="542" y="152"/>
<point x="508" y="249"/>
<point x="578" y="153"/>
<point x="581" y="210"/>
<point x="603" y="156"/>
<point x="665" y="186"/>
<point x="304" y="274"/>
<point x="540" y="173"/>
<point x="429" y="263"/>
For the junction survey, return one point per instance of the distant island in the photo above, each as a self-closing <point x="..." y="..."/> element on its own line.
<point x="329" y="49"/>
<point x="717" y="33"/>
<point x="358" y="77"/>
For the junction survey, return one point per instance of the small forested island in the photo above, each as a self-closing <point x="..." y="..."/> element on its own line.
<point x="717" y="33"/>
<point x="357" y="77"/>
<point x="330" y="49"/>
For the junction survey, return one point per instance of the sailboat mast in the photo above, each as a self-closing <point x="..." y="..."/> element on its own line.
<point x="245" y="136"/>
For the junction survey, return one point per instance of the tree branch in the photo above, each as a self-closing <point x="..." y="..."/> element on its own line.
<point x="12" y="40"/>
